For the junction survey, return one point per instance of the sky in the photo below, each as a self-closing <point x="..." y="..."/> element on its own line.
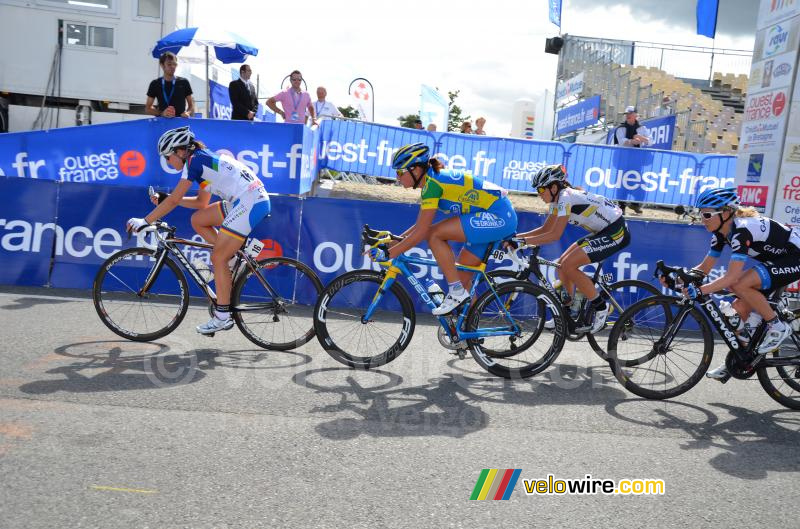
<point x="492" y="52"/>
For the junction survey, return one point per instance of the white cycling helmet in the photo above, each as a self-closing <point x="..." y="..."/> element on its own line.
<point x="549" y="174"/>
<point x="172" y="139"/>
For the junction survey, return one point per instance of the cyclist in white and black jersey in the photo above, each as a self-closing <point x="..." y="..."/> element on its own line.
<point x="603" y="219"/>
<point x="245" y="204"/>
<point x="774" y="246"/>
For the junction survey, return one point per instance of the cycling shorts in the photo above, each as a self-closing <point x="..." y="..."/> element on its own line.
<point x="606" y="242"/>
<point x="486" y="227"/>
<point x="245" y="213"/>
<point x="778" y="273"/>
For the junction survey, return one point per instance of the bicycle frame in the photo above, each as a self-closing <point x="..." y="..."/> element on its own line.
<point x="168" y="244"/>
<point x="398" y="267"/>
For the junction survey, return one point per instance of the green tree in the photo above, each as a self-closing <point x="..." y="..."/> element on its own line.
<point x="349" y="112"/>
<point x="455" y="118"/>
<point x="408" y="121"/>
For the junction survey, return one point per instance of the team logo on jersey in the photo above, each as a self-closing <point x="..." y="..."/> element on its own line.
<point x="735" y="244"/>
<point x="486" y="220"/>
<point x="470" y="197"/>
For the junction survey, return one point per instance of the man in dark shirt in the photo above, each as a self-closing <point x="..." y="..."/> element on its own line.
<point x="174" y="94"/>
<point x="243" y="95"/>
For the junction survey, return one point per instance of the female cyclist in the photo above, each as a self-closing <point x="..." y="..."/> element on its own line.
<point x="775" y="246"/>
<point x="245" y="203"/>
<point x="596" y="214"/>
<point x="483" y="215"/>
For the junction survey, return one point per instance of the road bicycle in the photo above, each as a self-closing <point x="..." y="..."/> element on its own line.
<point x="365" y="318"/>
<point x="618" y="295"/>
<point x="142" y="293"/>
<point x="675" y="333"/>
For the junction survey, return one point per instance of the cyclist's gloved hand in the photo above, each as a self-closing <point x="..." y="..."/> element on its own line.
<point x="693" y="291"/>
<point x="135" y="224"/>
<point x="379" y="254"/>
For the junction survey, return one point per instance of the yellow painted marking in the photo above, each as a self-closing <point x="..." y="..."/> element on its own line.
<point x="122" y="489"/>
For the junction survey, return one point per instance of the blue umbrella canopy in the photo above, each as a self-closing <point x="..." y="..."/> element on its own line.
<point x="228" y="46"/>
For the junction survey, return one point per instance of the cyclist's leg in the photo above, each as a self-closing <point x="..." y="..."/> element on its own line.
<point x="438" y="241"/>
<point x="204" y="221"/>
<point x="571" y="276"/>
<point x="748" y="289"/>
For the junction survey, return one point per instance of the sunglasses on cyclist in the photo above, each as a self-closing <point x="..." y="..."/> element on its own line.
<point x="708" y="215"/>
<point x="541" y="190"/>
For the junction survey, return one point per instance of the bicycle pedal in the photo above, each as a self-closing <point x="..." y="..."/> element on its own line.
<point x="209" y="335"/>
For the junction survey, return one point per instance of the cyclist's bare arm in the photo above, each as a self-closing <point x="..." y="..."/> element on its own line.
<point x="731" y="277"/>
<point x="707" y="264"/>
<point x="200" y="201"/>
<point x="552" y="230"/>
<point x="416" y="234"/>
<point x="172" y="201"/>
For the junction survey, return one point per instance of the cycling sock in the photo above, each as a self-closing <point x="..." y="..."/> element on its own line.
<point x="222" y="312"/>
<point x="455" y="287"/>
<point x="598" y="303"/>
<point x="773" y="321"/>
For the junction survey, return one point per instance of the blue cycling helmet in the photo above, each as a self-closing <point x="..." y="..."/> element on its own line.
<point x="410" y="155"/>
<point x="718" y="198"/>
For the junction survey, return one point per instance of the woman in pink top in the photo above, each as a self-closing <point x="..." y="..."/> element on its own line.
<point x="294" y="101"/>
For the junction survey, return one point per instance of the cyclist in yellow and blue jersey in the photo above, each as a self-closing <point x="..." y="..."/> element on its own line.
<point x="603" y="219"/>
<point x="481" y="215"/>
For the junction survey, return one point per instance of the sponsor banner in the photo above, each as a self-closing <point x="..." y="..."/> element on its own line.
<point x="772" y="11"/>
<point x="125" y="153"/>
<point x="578" y="116"/>
<point x="569" y="88"/>
<point x="662" y="130"/>
<point x="659" y="177"/>
<point x="83" y="237"/>
<point x="776" y="39"/>
<point x="791" y="151"/>
<point x="221" y="107"/>
<point x="787" y="201"/>
<point x="777" y="72"/>
<point x="755" y="196"/>
<point x="433" y="108"/>
<point x="757" y="168"/>
<point x="764" y="121"/>
<point x="28" y="231"/>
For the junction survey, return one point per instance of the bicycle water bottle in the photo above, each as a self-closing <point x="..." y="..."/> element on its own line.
<point x="203" y="268"/>
<point x="434" y="291"/>
<point x="577" y="299"/>
<point x="730" y="313"/>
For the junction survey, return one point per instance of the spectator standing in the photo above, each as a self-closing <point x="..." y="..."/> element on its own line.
<point x="431" y="127"/>
<point x="466" y="127"/>
<point x="243" y="96"/>
<point x="666" y="107"/>
<point x="323" y="108"/>
<point x="418" y="124"/>
<point x="295" y="102"/>
<point x="479" y="123"/>
<point x="631" y="133"/>
<point x="174" y="94"/>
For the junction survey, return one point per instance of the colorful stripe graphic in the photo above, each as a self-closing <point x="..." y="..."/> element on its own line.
<point x="495" y="484"/>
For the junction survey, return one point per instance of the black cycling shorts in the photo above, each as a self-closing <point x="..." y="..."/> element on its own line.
<point x="778" y="273"/>
<point x="606" y="242"/>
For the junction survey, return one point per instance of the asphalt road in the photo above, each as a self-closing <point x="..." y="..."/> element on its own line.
<point x="213" y="433"/>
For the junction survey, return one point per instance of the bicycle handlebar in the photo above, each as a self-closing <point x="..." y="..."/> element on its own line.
<point x="375" y="238"/>
<point x="670" y="273"/>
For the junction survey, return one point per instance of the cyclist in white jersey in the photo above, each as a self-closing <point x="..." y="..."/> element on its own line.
<point x="245" y="204"/>
<point x="603" y="219"/>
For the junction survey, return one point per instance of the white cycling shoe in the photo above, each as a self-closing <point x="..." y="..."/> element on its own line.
<point x="720" y="373"/>
<point x="776" y="334"/>
<point x="451" y="303"/>
<point x="215" y="325"/>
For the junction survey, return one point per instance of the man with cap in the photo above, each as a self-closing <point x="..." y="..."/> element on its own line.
<point x="631" y="133"/>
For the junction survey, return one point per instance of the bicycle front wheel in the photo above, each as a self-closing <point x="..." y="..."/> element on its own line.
<point x="273" y="305"/>
<point x="782" y="382"/>
<point x="623" y="295"/>
<point x="656" y="356"/>
<point x="346" y="334"/>
<point x="532" y="347"/>
<point x="131" y="313"/>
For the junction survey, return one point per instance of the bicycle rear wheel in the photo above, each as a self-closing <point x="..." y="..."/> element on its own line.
<point x="140" y="317"/>
<point x="273" y="307"/>
<point x="644" y="363"/>
<point x="532" y="348"/>
<point x="782" y="383"/>
<point x="624" y="294"/>
<point x="347" y="336"/>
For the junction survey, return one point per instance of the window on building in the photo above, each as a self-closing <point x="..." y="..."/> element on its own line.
<point x="106" y="5"/>
<point x="149" y="8"/>
<point x="82" y="34"/>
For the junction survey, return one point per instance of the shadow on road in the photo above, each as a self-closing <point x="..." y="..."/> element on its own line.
<point x="751" y="442"/>
<point x="26" y="303"/>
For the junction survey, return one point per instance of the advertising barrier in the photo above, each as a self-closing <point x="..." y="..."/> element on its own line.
<point x="661" y="130"/>
<point x="578" y="116"/>
<point x="125" y="153"/>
